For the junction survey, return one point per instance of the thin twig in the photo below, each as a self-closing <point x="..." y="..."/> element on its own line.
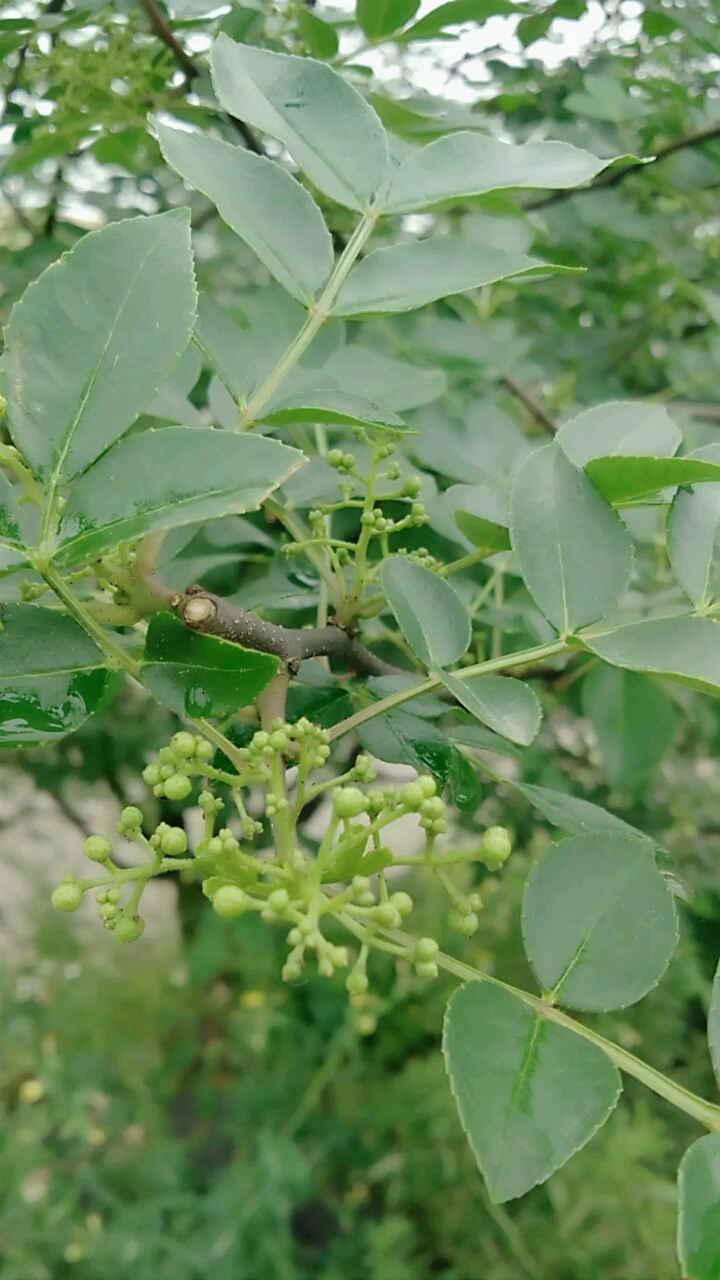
<point x="529" y="402"/>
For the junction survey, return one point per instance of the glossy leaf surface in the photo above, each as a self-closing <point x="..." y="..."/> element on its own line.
<point x="467" y="164"/>
<point x="634" y="721"/>
<point x="507" y="706"/>
<point x="429" y="612"/>
<point x="631" y="479"/>
<point x="405" y="276"/>
<point x="402" y="738"/>
<point x="620" y="427"/>
<point x="161" y="479"/>
<point x="530" y="1093"/>
<point x="11" y="514"/>
<point x="331" y="405"/>
<point x="93" y="340"/>
<point x="262" y="202"/>
<point x="197" y="675"/>
<point x="52" y="676"/>
<point x="326" y="125"/>
<point x="685" y="648"/>
<point x="571" y="813"/>
<point x="575" y="553"/>
<point x="699" y="1224"/>
<point x="693" y="536"/>
<point x="599" y="921"/>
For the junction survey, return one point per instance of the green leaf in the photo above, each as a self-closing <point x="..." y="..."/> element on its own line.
<point x="425" y="705"/>
<point x="406" y="276"/>
<point x="599" y="921"/>
<point x="574" y="551"/>
<point x="631" y="479"/>
<point x="481" y="514"/>
<point x="52" y="676"/>
<point x="693" y="536"/>
<point x="262" y="202"/>
<point x="320" y="38"/>
<point x="507" y="706"/>
<point x="355" y="860"/>
<point x="620" y="427"/>
<point x="714" y="1024"/>
<point x="453" y="12"/>
<point x="529" y="1092"/>
<point x="379" y="18"/>
<point x="634" y="721"/>
<point x="685" y="648"/>
<point x="394" y="384"/>
<point x="331" y="405"/>
<point x="465" y="786"/>
<point x="161" y="479"/>
<point x="326" y="125"/>
<point x="197" y="675"/>
<point x="75" y="380"/>
<point x="428" y="610"/>
<point x="572" y="814"/>
<point x="401" y="738"/>
<point x="467" y="164"/>
<point x="325" y="703"/>
<point x="12" y="515"/>
<point x="699" y="1222"/>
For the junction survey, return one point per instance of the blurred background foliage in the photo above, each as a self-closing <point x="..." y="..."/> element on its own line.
<point x="185" y="1115"/>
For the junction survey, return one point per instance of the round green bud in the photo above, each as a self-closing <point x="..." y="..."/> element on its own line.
<point x="356" y="982"/>
<point x="326" y="968"/>
<point x="412" y="796"/>
<point x="433" y="808"/>
<point x="260" y="740"/>
<point x="230" y="901"/>
<point x="279" y="740"/>
<point x="173" y="842"/>
<point x="387" y="916"/>
<point x="97" y="848"/>
<point x="67" y="897"/>
<point x="166" y="771"/>
<point x="278" y="900"/>
<point x="335" y="457"/>
<point x="367" y="518"/>
<point x="166" y="755"/>
<point x="349" y="461"/>
<point x="412" y="487"/>
<point x="339" y="957"/>
<point x="215" y="846"/>
<point x="496" y="846"/>
<point x="204" y="750"/>
<point x="348" y="802"/>
<point x="402" y="902"/>
<point x="465" y="922"/>
<point x="113" y="895"/>
<point x="426" y="969"/>
<point x="294" y="937"/>
<point x="182" y="745"/>
<point x="129" y="928"/>
<point x="425" y="950"/>
<point x="292" y="970"/>
<point x="131" y="817"/>
<point x="206" y="800"/>
<point x="428" y="784"/>
<point x="178" y="786"/>
<point x="151" y="774"/>
<point x="107" y="911"/>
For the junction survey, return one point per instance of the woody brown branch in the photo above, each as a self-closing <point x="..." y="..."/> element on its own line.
<point x="212" y="615"/>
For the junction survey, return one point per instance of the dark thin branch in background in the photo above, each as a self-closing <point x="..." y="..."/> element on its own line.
<point x="214" y="616"/>
<point x="164" y="32"/>
<point x="529" y="402"/>
<point x="613" y="177"/>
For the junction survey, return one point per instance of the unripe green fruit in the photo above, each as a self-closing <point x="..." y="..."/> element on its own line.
<point x="166" y="771"/>
<point x="357" y="982"/>
<point x="402" y="902"/>
<point x="230" y="901"/>
<point x="426" y="950"/>
<point x="182" y="745"/>
<point x="204" y="750"/>
<point x="348" y="802"/>
<point x="428" y="784"/>
<point x="67" y="897"/>
<point x="165" y="755"/>
<point x="496" y="846"/>
<point x="178" y="786"/>
<point x="173" y="842"/>
<point x="129" y="928"/>
<point x="152" y="775"/>
<point x="97" y="848"/>
<point x="426" y="969"/>
<point x="131" y="817"/>
<point x="465" y="922"/>
<point x="278" y="900"/>
<point x="412" y="796"/>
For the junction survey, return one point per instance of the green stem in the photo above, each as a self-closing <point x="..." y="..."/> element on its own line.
<point x="524" y="659"/>
<point x="465" y="562"/>
<point x="117" y="657"/>
<point x="706" y="1113"/>
<point x="10" y="458"/>
<point x="336" y="1052"/>
<point x="319" y="313"/>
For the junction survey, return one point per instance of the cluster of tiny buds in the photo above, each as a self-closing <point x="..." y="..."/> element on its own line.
<point x="380" y="523"/>
<point x="288" y="740"/>
<point x="342" y="462"/>
<point x="421" y="556"/>
<point x="169" y="777"/>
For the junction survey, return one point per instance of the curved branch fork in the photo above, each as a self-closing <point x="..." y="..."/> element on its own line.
<point x="214" y="616"/>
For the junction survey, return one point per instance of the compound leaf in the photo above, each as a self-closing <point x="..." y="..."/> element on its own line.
<point x="429" y="612"/>
<point x="505" y="705"/>
<point x="634" y="721"/>
<point x="685" y="648"/>
<point x="197" y="675"/>
<point x="621" y="427"/>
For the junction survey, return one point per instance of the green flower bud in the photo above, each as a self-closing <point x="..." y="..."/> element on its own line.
<point x="426" y="969"/>
<point x="402" y="902"/>
<point x="428" y="784"/>
<point x="278" y="900"/>
<point x="215" y="846"/>
<point x="113" y="895"/>
<point x="387" y="916"/>
<point x="412" y="796"/>
<point x="425" y="950"/>
<point x="279" y="740"/>
<point x="465" y="922"/>
<point x="166" y="755"/>
<point x="67" y="897"/>
<point x="433" y="808"/>
<point x="292" y="970"/>
<point x="356" y="982"/>
<point x="178" y="787"/>
<point x="151" y="775"/>
<point x="412" y="487"/>
<point x="335" y="457"/>
<point x="97" y="848"/>
<point x="348" y="802"/>
<point x="326" y="968"/>
<point x="204" y="750"/>
<point x="107" y="911"/>
<point x="230" y="901"/>
<point x="173" y="842"/>
<point x="259" y="741"/>
<point x="183" y="745"/>
<point x="496" y="846"/>
<point x="167" y="771"/>
<point x="339" y="957"/>
<point x="131" y="818"/>
<point x="367" y="518"/>
<point x="129" y="928"/>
